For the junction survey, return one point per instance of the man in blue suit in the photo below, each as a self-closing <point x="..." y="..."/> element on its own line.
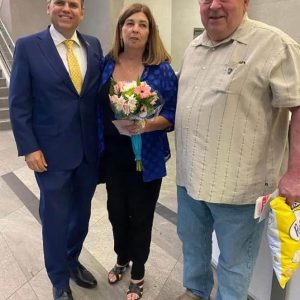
<point x="55" y="127"/>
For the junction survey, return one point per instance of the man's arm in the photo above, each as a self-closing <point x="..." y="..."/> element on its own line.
<point x="289" y="185"/>
<point x="21" y="108"/>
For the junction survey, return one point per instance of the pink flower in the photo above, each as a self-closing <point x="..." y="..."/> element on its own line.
<point x="126" y="108"/>
<point x="143" y="90"/>
<point x="114" y="98"/>
<point x="116" y="88"/>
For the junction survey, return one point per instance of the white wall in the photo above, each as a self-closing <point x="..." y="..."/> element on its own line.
<point x="283" y="14"/>
<point x="116" y="7"/>
<point x="185" y="17"/>
<point x="176" y="20"/>
<point x="97" y="21"/>
<point x="162" y="12"/>
<point x="23" y="17"/>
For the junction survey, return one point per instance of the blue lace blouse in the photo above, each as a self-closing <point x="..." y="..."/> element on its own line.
<point x="155" y="145"/>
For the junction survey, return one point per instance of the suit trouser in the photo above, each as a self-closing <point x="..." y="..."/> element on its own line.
<point x="131" y="205"/>
<point x="65" y="206"/>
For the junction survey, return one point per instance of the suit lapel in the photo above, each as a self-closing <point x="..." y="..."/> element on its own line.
<point x="89" y="64"/>
<point x="51" y="54"/>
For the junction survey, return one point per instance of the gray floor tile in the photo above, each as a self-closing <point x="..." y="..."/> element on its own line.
<point x="41" y="286"/>
<point x="103" y="291"/>
<point x="173" y="286"/>
<point x="10" y="160"/>
<point x="99" y="242"/>
<point x="26" y="176"/>
<point x="158" y="268"/>
<point x="4" y="169"/>
<point x="168" y="198"/>
<point x="23" y="235"/>
<point x="25" y="195"/>
<point x="9" y="202"/>
<point x="168" y="191"/>
<point x="11" y="275"/>
<point x="24" y="293"/>
<point x="163" y="269"/>
<point x="164" y="234"/>
<point x="6" y="140"/>
<point x="98" y="205"/>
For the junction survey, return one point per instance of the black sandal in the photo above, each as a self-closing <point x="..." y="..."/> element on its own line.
<point x="117" y="271"/>
<point x="136" y="288"/>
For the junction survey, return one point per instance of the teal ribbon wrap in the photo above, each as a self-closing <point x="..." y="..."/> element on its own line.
<point x="136" y="142"/>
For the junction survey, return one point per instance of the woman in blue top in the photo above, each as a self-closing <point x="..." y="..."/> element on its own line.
<point x="137" y="52"/>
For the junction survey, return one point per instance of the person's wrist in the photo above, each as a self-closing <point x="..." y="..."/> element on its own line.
<point x="144" y="125"/>
<point x="140" y="126"/>
<point x="147" y="126"/>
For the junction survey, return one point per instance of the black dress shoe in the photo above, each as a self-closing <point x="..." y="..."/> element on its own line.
<point x="62" y="294"/>
<point x="83" y="277"/>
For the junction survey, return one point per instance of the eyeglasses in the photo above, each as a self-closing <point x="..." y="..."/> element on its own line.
<point x="210" y="1"/>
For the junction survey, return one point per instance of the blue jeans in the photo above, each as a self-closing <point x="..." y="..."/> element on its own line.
<point x="238" y="236"/>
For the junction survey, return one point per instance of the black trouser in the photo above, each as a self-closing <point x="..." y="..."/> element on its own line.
<point x="131" y="205"/>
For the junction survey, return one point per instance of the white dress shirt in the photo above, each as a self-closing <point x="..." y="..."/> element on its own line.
<point x="78" y="49"/>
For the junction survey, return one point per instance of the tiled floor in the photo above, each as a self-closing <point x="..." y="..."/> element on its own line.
<point x="22" y="272"/>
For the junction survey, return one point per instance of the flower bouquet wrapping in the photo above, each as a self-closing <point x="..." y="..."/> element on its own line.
<point x="134" y="101"/>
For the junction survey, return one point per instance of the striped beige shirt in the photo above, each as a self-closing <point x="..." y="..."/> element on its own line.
<point x="232" y="113"/>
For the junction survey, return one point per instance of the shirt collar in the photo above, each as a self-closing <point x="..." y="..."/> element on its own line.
<point x="238" y="35"/>
<point x="58" y="38"/>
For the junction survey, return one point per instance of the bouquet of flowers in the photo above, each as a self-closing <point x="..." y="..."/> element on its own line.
<point x="134" y="101"/>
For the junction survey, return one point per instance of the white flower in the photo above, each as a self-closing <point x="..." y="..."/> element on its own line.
<point x="119" y="103"/>
<point x="127" y="86"/>
<point x="132" y="103"/>
<point x="155" y="98"/>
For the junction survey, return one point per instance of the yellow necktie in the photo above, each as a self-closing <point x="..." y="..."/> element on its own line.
<point x="74" y="68"/>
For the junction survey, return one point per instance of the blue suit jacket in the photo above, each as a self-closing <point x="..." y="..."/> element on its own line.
<point x="46" y="112"/>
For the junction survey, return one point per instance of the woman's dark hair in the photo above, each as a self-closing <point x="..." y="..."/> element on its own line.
<point x="155" y="51"/>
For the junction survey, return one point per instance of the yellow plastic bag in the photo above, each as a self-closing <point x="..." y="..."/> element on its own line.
<point x="284" y="238"/>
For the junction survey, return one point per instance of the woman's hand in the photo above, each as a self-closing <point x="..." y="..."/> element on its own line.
<point x="137" y="127"/>
<point x="148" y="125"/>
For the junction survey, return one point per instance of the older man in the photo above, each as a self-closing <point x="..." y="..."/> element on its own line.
<point x="238" y="84"/>
<point x="53" y="105"/>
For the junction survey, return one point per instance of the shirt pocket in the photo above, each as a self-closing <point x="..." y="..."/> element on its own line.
<point x="232" y="77"/>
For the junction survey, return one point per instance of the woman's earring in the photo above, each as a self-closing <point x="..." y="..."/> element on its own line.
<point x="121" y="43"/>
